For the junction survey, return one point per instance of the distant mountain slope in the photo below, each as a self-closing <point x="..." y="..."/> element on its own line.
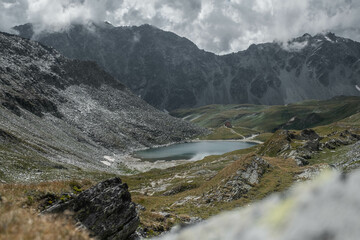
<point x="263" y="118"/>
<point x="70" y="112"/>
<point x="170" y="72"/>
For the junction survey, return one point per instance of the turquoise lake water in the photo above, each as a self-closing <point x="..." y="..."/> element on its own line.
<point x="191" y="151"/>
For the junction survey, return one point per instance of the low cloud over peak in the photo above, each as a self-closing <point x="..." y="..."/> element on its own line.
<point x="217" y="26"/>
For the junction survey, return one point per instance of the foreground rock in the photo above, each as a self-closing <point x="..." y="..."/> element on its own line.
<point x="105" y="209"/>
<point x="327" y="208"/>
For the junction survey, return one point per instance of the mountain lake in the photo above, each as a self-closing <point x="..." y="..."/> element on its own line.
<point x="191" y="151"/>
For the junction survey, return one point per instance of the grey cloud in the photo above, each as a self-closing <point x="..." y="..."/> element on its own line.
<point x="12" y="12"/>
<point x="218" y="26"/>
<point x="190" y="8"/>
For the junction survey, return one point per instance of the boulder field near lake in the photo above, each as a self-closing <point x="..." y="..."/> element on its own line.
<point x="69" y="125"/>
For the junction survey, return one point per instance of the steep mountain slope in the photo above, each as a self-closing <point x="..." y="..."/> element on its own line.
<point x="170" y="72"/>
<point x="56" y="113"/>
<point x="318" y="67"/>
<point x="164" y="69"/>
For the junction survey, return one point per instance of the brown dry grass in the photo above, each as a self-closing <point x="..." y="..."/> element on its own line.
<point x="20" y="219"/>
<point x="25" y="224"/>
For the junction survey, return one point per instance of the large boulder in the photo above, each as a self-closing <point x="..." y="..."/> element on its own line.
<point x="105" y="209"/>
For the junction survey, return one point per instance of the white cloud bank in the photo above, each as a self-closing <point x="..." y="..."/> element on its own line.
<point x="220" y="26"/>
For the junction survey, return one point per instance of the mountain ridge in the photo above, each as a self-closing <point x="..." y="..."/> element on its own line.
<point x="171" y="72"/>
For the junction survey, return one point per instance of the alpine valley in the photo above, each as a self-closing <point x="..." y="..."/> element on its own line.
<point x="76" y="104"/>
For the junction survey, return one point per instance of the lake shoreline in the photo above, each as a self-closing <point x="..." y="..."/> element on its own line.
<point x="247" y="139"/>
<point x="136" y="165"/>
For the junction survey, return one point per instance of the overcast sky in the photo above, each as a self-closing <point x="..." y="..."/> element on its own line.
<point x="220" y="26"/>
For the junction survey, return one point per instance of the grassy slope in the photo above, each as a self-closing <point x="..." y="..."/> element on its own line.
<point x="195" y="179"/>
<point x="217" y="169"/>
<point x="269" y="118"/>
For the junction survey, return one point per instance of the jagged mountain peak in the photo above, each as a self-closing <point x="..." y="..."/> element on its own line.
<point x="328" y="37"/>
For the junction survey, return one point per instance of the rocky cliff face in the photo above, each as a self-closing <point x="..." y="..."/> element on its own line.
<point x="72" y="111"/>
<point x="170" y="72"/>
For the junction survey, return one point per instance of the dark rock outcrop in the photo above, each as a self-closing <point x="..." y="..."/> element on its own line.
<point x="312" y="145"/>
<point x="301" y="147"/>
<point x="309" y="134"/>
<point x="240" y="183"/>
<point x="339" y="139"/>
<point x="105" y="209"/>
<point x="170" y="72"/>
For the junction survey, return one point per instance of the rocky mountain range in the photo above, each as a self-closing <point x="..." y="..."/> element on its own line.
<point x="56" y="112"/>
<point x="171" y="72"/>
